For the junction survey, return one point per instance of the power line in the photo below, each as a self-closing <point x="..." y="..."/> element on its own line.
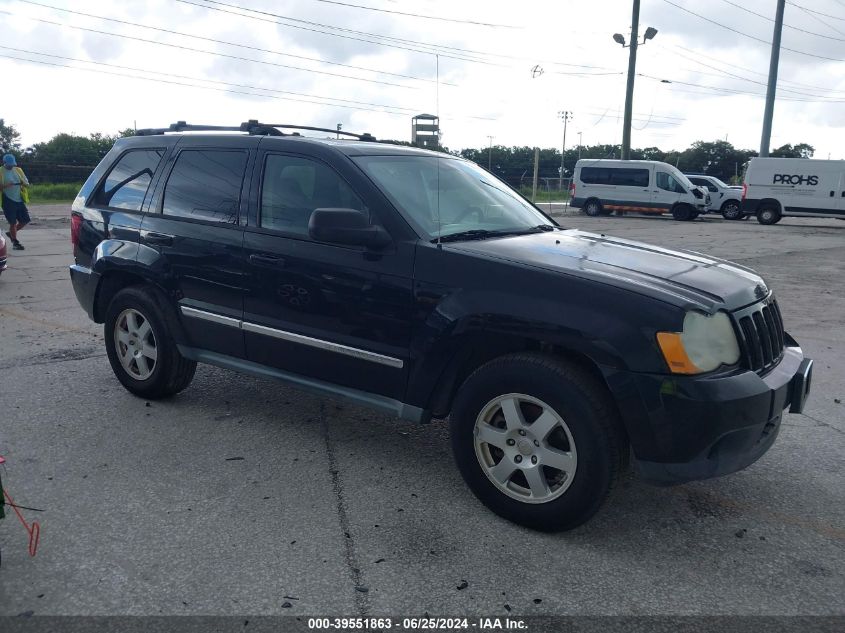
<point x="735" y="91"/>
<point x="819" y="20"/>
<point x="789" y="26"/>
<point x="316" y="100"/>
<point x="177" y="83"/>
<point x="758" y="39"/>
<point x="747" y="79"/>
<point x="827" y="15"/>
<point x="199" y="50"/>
<point x="417" y="15"/>
<point x="214" y="81"/>
<point x="745" y="68"/>
<point x="216" y="41"/>
<point x="451" y="52"/>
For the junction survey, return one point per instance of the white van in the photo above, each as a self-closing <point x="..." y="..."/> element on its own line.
<point x="601" y="186"/>
<point x="775" y="187"/>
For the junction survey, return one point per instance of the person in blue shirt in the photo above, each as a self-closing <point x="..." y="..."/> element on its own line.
<point x="14" y="184"/>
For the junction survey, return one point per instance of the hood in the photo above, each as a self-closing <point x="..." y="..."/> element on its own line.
<point x="682" y="278"/>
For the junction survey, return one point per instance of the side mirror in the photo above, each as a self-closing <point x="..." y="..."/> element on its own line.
<point x="346" y="226"/>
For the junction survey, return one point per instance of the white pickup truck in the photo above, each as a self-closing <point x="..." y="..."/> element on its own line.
<point x="723" y="198"/>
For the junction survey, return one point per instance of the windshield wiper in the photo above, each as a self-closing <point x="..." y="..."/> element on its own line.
<point x="480" y="234"/>
<point x="472" y="234"/>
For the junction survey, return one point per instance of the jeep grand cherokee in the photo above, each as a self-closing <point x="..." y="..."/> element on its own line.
<point x="420" y="284"/>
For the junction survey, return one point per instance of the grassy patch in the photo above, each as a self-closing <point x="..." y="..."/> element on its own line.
<point x="52" y="193"/>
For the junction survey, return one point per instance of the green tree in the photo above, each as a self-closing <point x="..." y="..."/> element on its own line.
<point x="9" y="139"/>
<point x="801" y="150"/>
<point x="69" y="149"/>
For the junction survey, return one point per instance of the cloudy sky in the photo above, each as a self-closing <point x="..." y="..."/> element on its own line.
<point x="505" y="68"/>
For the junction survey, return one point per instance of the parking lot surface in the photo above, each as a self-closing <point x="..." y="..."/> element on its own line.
<point x="245" y="496"/>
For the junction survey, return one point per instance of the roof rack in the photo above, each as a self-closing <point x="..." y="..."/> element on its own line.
<point x="252" y="126"/>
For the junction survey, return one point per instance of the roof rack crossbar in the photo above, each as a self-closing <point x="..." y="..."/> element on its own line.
<point x="250" y="127"/>
<point x="366" y="136"/>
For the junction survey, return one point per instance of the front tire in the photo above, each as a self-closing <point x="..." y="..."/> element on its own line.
<point x="141" y="350"/>
<point x="593" y="208"/>
<point x="683" y="212"/>
<point x="768" y="215"/>
<point x="537" y="440"/>
<point x="730" y="210"/>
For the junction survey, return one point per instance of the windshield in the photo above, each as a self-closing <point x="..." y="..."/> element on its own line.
<point x="719" y="183"/>
<point x="446" y="196"/>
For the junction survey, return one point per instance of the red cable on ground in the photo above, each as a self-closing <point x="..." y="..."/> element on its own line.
<point x="34" y="529"/>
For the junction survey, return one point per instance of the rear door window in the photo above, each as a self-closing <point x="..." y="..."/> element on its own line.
<point x="205" y="184"/>
<point x="128" y="181"/>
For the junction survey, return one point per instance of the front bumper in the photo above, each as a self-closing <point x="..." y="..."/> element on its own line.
<point x="85" y="282"/>
<point x="687" y="428"/>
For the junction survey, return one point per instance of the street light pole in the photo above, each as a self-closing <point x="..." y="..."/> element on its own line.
<point x="565" y="116"/>
<point x="773" y="81"/>
<point x="629" y="91"/>
<point x="650" y="32"/>
<point x="580" y="144"/>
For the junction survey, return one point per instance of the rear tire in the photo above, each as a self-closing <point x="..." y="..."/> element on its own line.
<point x="140" y="347"/>
<point x="769" y="215"/>
<point x="683" y="212"/>
<point x="550" y="477"/>
<point x="592" y="207"/>
<point x="731" y="210"/>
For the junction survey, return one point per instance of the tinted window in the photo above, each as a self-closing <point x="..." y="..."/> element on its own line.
<point x="206" y="185"/>
<point x="129" y="180"/>
<point x="293" y="187"/>
<point x="595" y="175"/>
<point x="629" y="177"/>
<point x="668" y="183"/>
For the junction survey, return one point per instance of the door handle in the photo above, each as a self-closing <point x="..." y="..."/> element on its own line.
<point x="267" y="260"/>
<point x="151" y="237"/>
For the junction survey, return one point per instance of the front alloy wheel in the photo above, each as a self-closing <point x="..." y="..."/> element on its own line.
<point x="135" y="344"/>
<point x="730" y="210"/>
<point x="515" y="425"/>
<point x="525" y="448"/>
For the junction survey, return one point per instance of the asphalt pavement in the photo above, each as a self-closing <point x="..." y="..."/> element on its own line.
<point x="245" y="496"/>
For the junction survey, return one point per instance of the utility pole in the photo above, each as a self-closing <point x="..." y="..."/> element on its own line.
<point x="632" y="71"/>
<point x="536" y="170"/>
<point x="490" y="154"/>
<point x="565" y="116"/>
<point x="629" y="91"/>
<point x="580" y="145"/>
<point x="773" y="81"/>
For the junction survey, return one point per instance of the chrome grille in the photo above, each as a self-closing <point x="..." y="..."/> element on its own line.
<point x="760" y="334"/>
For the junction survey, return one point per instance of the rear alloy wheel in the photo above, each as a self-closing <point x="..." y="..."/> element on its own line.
<point x="730" y="210"/>
<point x="135" y="344"/>
<point x="768" y="215"/>
<point x="592" y="207"/>
<point x="140" y="347"/>
<point x="683" y="212"/>
<point x="538" y="440"/>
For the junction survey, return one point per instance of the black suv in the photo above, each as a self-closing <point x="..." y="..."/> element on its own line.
<point x="418" y="283"/>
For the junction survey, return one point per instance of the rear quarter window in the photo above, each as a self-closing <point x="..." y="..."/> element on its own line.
<point x="128" y="181"/>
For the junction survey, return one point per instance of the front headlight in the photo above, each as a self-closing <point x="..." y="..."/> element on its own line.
<point x="705" y="343"/>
